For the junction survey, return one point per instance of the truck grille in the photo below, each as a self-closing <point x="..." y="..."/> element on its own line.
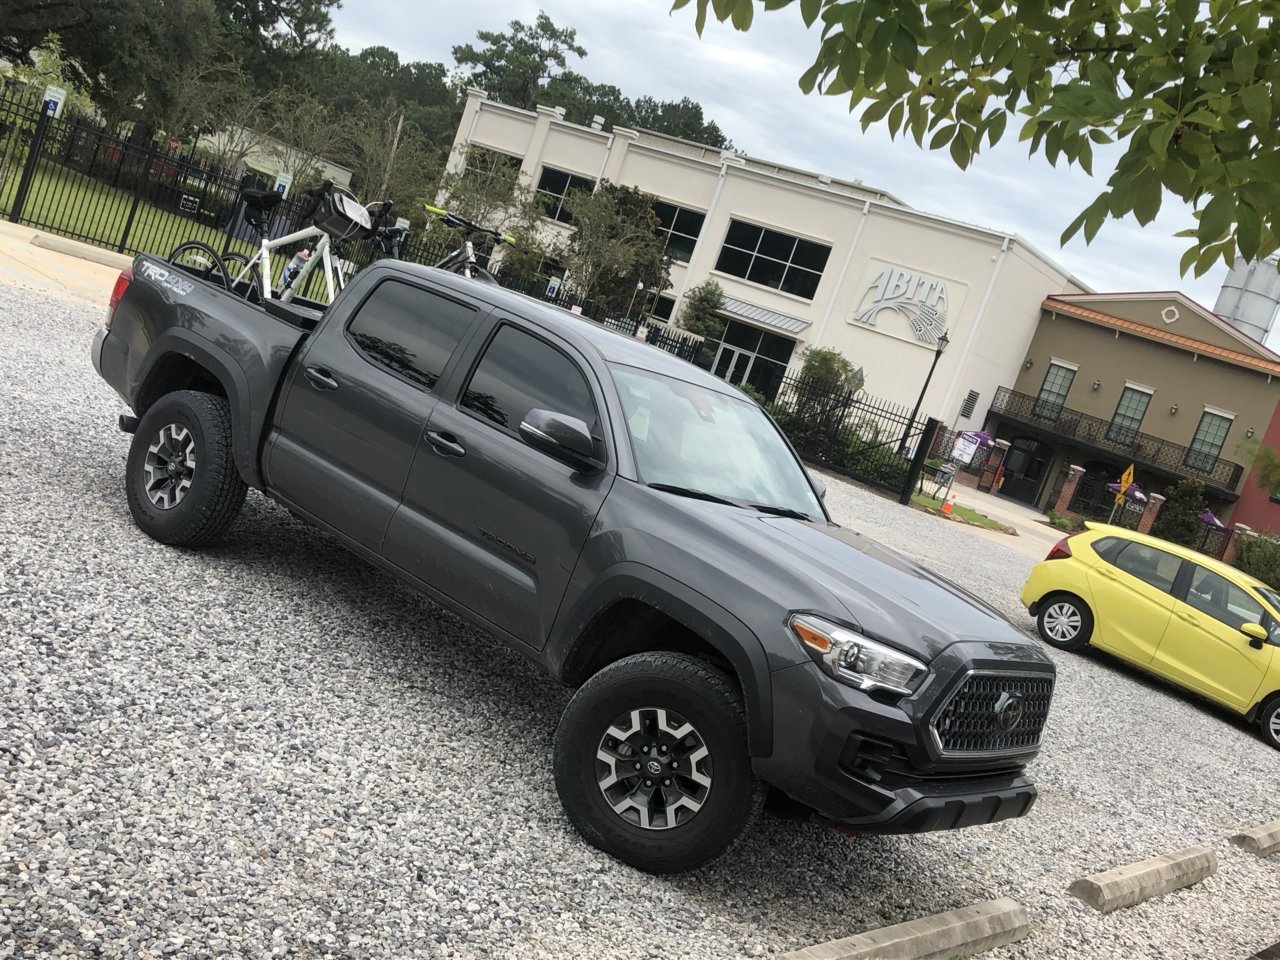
<point x="992" y="713"/>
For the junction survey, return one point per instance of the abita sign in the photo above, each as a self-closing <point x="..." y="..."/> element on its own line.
<point x="917" y="297"/>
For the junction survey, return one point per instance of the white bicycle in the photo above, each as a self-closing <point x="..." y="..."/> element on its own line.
<point x="336" y="216"/>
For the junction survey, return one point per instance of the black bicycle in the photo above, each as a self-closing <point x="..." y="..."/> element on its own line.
<point x="463" y="260"/>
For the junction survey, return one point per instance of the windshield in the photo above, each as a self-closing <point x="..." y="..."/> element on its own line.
<point x="688" y="436"/>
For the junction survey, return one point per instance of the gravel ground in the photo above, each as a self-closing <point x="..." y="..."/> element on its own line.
<point x="269" y="749"/>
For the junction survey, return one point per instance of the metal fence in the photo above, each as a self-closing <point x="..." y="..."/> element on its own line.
<point x="1093" y="501"/>
<point x="856" y="434"/>
<point x="74" y="177"/>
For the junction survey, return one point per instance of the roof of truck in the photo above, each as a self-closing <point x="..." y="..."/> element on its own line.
<point x="609" y="345"/>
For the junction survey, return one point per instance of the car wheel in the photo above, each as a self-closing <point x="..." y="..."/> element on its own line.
<point x="1064" y="622"/>
<point x="651" y="762"/>
<point x="181" y="477"/>
<point x="1269" y="722"/>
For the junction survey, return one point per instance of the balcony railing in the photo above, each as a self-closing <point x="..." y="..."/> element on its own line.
<point x="1141" y="448"/>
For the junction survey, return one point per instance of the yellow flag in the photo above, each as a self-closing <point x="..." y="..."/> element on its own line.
<point x="1125" y="479"/>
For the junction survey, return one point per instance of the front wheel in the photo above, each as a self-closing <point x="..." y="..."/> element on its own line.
<point x="181" y="478"/>
<point x="1269" y="722"/>
<point x="1064" y="622"/>
<point x="202" y="260"/>
<point x="651" y="762"/>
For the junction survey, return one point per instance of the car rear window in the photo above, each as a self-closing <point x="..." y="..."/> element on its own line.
<point x="1149" y="565"/>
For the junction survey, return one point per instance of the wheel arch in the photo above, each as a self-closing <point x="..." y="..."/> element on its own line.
<point x="1261" y="704"/>
<point x="642" y="610"/>
<point x="179" y="360"/>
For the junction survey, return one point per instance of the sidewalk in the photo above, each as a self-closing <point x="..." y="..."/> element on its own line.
<point x="42" y="264"/>
<point x="1035" y="536"/>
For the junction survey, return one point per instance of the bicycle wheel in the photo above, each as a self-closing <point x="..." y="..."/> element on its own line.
<point x="202" y="260"/>
<point x="238" y="276"/>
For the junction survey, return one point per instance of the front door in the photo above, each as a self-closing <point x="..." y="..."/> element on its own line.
<point x="1133" y="600"/>
<point x="487" y="520"/>
<point x="1025" y="467"/>
<point x="1203" y="646"/>
<point x="355" y="406"/>
<point x="732" y="364"/>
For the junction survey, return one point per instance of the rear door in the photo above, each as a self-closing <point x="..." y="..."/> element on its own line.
<point x="1133" y="599"/>
<point x="1204" y="648"/>
<point x="487" y="520"/>
<point x="357" y="402"/>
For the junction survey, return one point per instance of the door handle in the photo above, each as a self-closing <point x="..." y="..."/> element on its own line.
<point x="1188" y="618"/>
<point x="1104" y="572"/>
<point x="320" y="378"/>
<point x="445" y="444"/>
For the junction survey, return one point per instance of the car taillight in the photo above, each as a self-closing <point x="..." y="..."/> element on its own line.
<point x="117" y="293"/>
<point x="1061" y="550"/>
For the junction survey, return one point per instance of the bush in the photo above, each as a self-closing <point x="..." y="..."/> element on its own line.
<point x="1179" y="517"/>
<point x="1259" y="557"/>
<point x="1070" y="524"/>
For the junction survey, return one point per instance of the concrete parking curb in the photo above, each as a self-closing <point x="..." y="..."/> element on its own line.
<point x="969" y="930"/>
<point x="74" y="248"/>
<point x="1136" y="882"/>
<point x="1263" y="840"/>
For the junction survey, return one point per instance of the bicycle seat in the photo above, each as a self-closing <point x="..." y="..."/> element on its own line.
<point x="261" y="199"/>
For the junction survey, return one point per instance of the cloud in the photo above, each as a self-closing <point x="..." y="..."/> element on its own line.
<point x="747" y="83"/>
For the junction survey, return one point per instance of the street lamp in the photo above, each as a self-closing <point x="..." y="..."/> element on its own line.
<point x="939" y="350"/>
<point x="639" y="287"/>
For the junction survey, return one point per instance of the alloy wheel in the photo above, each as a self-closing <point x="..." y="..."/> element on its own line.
<point x="170" y="466"/>
<point x="1062" y="622"/>
<point x="1275" y="726"/>
<point x="653" y="768"/>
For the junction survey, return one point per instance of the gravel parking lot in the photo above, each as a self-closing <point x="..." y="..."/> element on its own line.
<point x="269" y="749"/>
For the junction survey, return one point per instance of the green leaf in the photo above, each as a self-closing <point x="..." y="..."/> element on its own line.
<point x="943" y="136"/>
<point x="809" y="79"/>
<point x="1091" y="218"/>
<point x="742" y="14"/>
<point x="1207" y="257"/>
<point x="960" y="153"/>
<point x="1188" y="258"/>
<point x="1256" y="99"/>
<point x="895" y="118"/>
<point x="1244" y="60"/>
<point x="1147" y="194"/>
<point x="1160" y="138"/>
<point x="1215" y="218"/>
<point x="1248" y="230"/>
<point x="809" y="10"/>
<point x="995" y="130"/>
<point x="875" y="112"/>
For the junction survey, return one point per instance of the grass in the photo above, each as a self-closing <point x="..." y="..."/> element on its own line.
<point x="961" y="513"/>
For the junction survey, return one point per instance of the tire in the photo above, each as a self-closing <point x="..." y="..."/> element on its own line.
<point x="235" y="264"/>
<point x="1064" y="621"/>
<point x="1269" y="722"/>
<point x="195" y="501"/>
<point x="201" y="260"/>
<point x="690" y="717"/>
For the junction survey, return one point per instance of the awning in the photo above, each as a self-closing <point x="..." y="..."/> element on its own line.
<point x="765" y="318"/>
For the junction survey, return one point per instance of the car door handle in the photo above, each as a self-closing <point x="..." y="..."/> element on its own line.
<point x="445" y="444"/>
<point x="320" y="378"/>
<point x="1188" y="618"/>
<point x="1104" y="572"/>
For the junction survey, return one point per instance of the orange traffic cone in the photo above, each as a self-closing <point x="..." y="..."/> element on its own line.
<point x="947" y="505"/>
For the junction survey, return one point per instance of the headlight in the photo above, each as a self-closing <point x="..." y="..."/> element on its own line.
<point x="853" y="659"/>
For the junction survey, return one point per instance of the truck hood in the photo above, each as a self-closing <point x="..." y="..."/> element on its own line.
<point x="887" y="595"/>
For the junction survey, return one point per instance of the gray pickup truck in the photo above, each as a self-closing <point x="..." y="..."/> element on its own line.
<point x="633" y="525"/>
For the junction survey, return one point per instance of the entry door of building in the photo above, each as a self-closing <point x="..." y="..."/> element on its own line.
<point x="732" y="364"/>
<point x="1025" y="467"/>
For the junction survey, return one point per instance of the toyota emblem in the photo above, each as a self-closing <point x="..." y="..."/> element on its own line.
<point x="1009" y="711"/>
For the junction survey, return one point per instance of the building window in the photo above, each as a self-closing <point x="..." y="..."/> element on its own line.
<point x="661" y="308"/>
<point x="555" y="185"/>
<point x="1054" y="390"/>
<point x="679" y="228"/>
<point x="1127" y="419"/>
<point x="753" y="356"/>
<point x="1211" y="434"/>
<point x="773" y="259"/>
<point x="493" y="173"/>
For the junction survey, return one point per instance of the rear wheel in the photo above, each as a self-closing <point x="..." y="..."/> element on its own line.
<point x="1064" y="622"/>
<point x="651" y="762"/>
<point x="181" y="478"/>
<point x="202" y="260"/>
<point x="243" y="278"/>
<point x="1269" y="722"/>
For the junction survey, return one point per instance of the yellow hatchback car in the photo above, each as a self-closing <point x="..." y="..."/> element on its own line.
<point x="1183" y="616"/>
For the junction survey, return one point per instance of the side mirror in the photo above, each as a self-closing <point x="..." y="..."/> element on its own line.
<point x="1256" y="633"/>
<point x="819" y="485"/>
<point x="559" y="435"/>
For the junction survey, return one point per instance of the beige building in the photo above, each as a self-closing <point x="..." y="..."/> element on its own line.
<point x="1151" y="380"/>
<point x="804" y="259"/>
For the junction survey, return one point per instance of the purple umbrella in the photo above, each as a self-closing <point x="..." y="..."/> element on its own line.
<point x="1210" y="521"/>
<point x="1133" y="493"/>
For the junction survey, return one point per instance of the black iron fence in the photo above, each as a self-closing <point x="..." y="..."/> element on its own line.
<point x="1142" y="449"/>
<point x="856" y="434"/>
<point x="74" y="177"/>
<point x="1093" y="501"/>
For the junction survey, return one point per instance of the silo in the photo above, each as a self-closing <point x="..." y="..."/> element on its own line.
<point x="1249" y="298"/>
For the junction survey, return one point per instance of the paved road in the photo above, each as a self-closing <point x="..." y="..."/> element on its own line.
<point x="270" y="749"/>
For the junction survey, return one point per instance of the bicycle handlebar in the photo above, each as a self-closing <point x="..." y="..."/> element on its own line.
<point x="468" y="226"/>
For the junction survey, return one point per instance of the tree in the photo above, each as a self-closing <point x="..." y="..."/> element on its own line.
<point x="305" y="132"/>
<point x="1179" y="518"/>
<point x="389" y="158"/>
<point x="678" y="118"/>
<point x="828" y="371"/>
<point x="49" y="66"/>
<point x="1186" y="87"/>
<point x="513" y="66"/>
<point x="614" y="245"/>
<point x="278" y="39"/>
<point x="1265" y="463"/>
<point x="700" y="314"/>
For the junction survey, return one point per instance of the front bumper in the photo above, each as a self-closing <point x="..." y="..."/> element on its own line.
<point x="868" y="762"/>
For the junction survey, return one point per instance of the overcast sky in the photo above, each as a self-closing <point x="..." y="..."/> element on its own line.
<point x="746" y="82"/>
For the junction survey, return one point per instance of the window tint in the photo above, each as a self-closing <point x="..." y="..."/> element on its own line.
<point x="1108" y="547"/>
<point x="1149" y="565"/>
<point x="519" y="373"/>
<point x="409" y="330"/>
<point x="555" y="185"/>
<point x="678" y="228"/>
<point x="773" y="259"/>
<point x="1221" y="599"/>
